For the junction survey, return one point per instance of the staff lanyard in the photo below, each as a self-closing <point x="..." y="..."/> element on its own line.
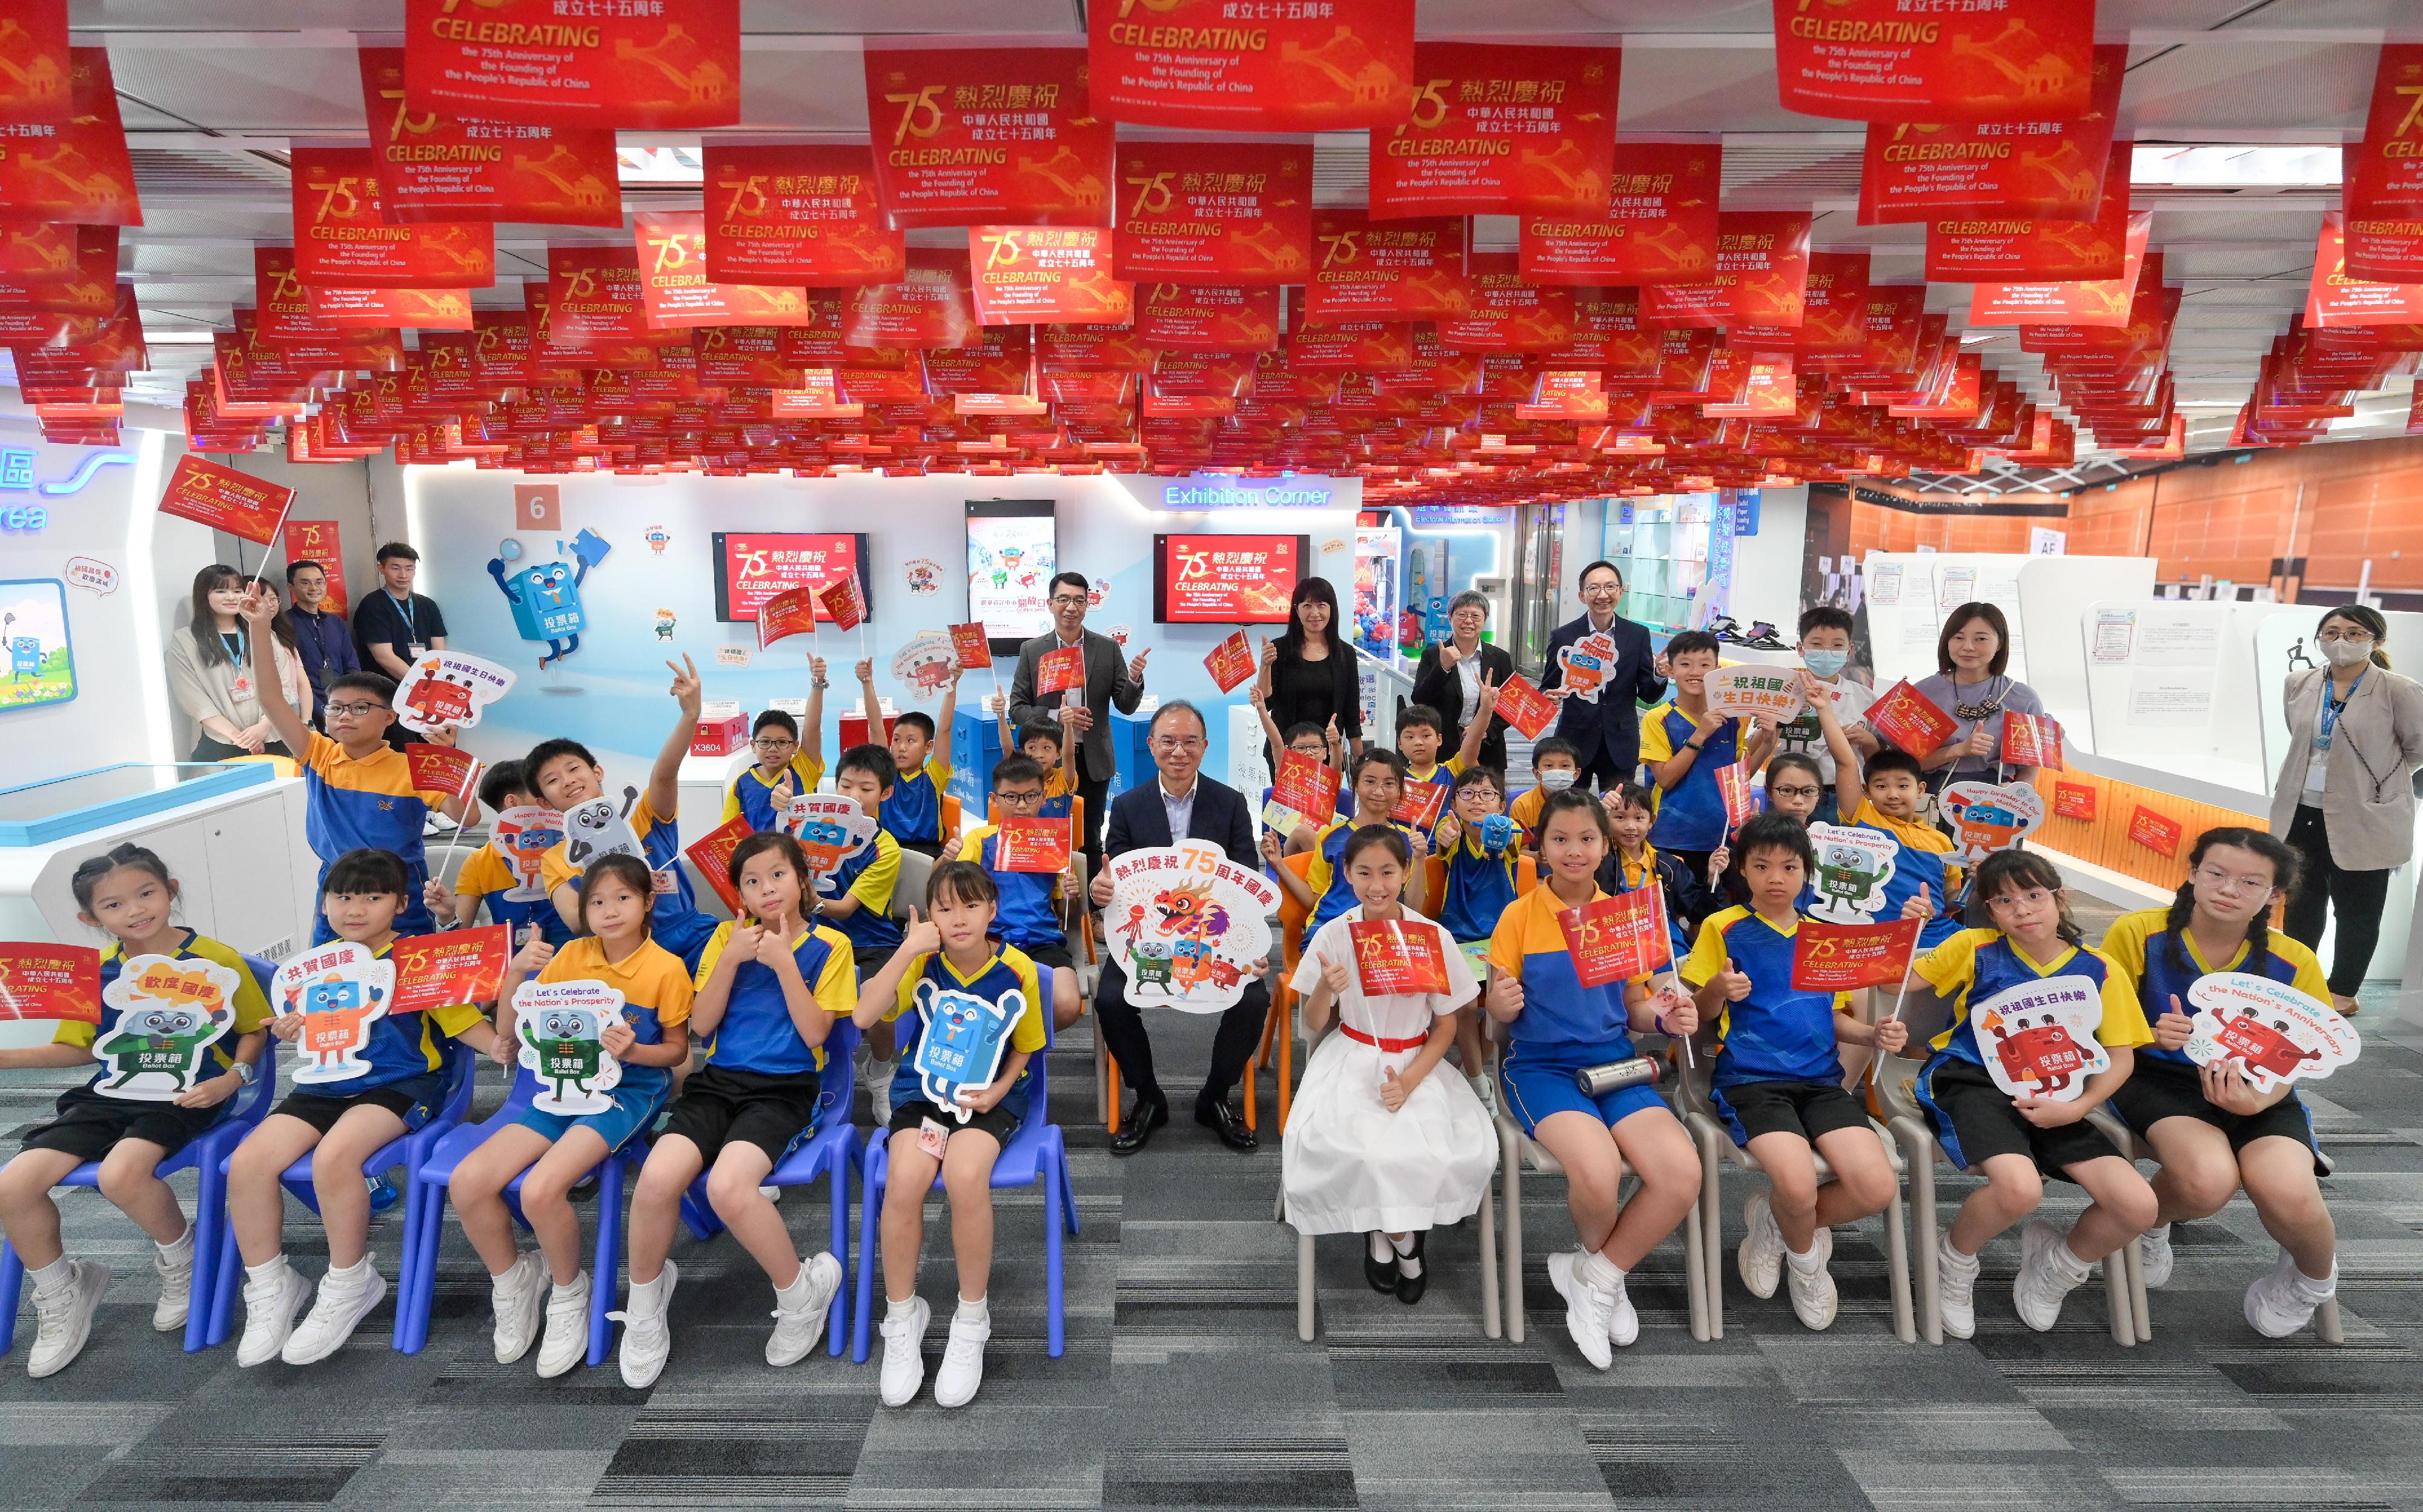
<point x="2331" y="712"/>
<point x="239" y="647"/>
<point x="404" y="610"/>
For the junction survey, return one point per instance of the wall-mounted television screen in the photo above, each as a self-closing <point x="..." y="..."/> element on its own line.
<point x="1013" y="550"/>
<point x="1226" y="579"/>
<point x="755" y="565"/>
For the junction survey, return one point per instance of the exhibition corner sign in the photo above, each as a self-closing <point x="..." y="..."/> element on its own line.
<point x="1188" y="925"/>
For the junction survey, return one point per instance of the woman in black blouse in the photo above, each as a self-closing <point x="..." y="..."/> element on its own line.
<point x="1309" y="674"/>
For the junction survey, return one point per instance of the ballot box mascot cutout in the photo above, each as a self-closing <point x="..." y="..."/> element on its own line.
<point x="1188" y="924"/>
<point x="523" y="835"/>
<point x="2037" y="1039"/>
<point x="924" y="665"/>
<point x="169" y="1013"/>
<point x="1990" y="817"/>
<point x="1853" y="866"/>
<point x="339" y="990"/>
<point x="598" y="828"/>
<point x="443" y="689"/>
<point x="963" y="1042"/>
<point x="1587" y="665"/>
<point x="559" y="1026"/>
<point x="830" y="830"/>
<point x="545" y="597"/>
<point x="2272" y="1032"/>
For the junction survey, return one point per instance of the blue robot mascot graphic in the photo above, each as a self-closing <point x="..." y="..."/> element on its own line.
<point x="547" y="596"/>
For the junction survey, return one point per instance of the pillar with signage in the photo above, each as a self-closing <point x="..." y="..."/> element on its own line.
<point x="1378" y="558"/>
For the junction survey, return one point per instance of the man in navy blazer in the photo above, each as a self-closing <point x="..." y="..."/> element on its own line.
<point x="1606" y="732"/>
<point x="1181" y="803"/>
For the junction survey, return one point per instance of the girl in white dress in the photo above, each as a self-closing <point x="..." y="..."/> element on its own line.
<point x="1374" y="1142"/>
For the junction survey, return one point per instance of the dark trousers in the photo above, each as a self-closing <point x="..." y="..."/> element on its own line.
<point x="2357" y="896"/>
<point x="1603" y="775"/>
<point x="1096" y="792"/>
<point x="1121" y="1027"/>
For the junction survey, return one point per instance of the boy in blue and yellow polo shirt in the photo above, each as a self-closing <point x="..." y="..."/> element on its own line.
<point x="1683" y="745"/>
<point x="1029" y="913"/>
<point x="1324" y="893"/>
<point x="1896" y="790"/>
<point x="487" y="879"/>
<point x="1777" y="1081"/>
<point x="913" y="813"/>
<point x="790" y="760"/>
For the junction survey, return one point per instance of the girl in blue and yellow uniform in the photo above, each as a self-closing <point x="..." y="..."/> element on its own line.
<point x="1481" y="885"/>
<point x="1324" y="893"/>
<point x="1632" y="862"/>
<point x="769" y="986"/>
<point x="128" y="893"/>
<point x="790" y="760"/>
<point x="1029" y="913"/>
<point x="2027" y="937"/>
<point x="2211" y="1129"/>
<point x="1684" y="742"/>
<point x="558" y="1150"/>
<point x="337" y="1123"/>
<point x="1557" y="1026"/>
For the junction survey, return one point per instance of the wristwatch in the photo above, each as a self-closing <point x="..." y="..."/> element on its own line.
<point x="246" y="1071"/>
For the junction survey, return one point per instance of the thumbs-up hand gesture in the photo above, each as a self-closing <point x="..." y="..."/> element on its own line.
<point x="1336" y="976"/>
<point x="1920" y="905"/>
<point x="1735" y="982"/>
<point x="1269" y="653"/>
<point x="2171" y="1031"/>
<point x="1135" y="665"/>
<point x="1393" y="1091"/>
<point x="920" y="937"/>
<point x="815" y="667"/>
<point x="534" y="952"/>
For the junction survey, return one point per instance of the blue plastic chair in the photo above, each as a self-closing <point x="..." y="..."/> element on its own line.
<point x="207" y="1154"/>
<point x="1036" y="1155"/>
<point x="436" y="1173"/>
<point x="834" y="1150"/>
<point x="461" y="1070"/>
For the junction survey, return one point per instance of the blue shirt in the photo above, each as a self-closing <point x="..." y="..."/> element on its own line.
<point x="871" y="929"/>
<point x="1691" y="814"/>
<point x="1480" y="889"/>
<point x="756" y="1033"/>
<point x="1779" y="1032"/>
<point x="914" y="810"/>
<point x="1559" y="1014"/>
<point x="1028" y="914"/>
<point x="325" y="644"/>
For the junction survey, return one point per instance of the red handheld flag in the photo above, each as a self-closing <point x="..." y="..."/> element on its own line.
<point x="1524" y="706"/>
<point x="970" y="644"/>
<point x="224" y="500"/>
<point x="1397" y="956"/>
<point x="1059" y="670"/>
<point x="1910" y="720"/>
<point x="1612" y="939"/>
<point x="842" y="602"/>
<point x="50" y="981"/>
<point x="1844" y="958"/>
<point x="712" y="854"/>
<point x="459" y="966"/>
<point x="1230" y="663"/>
<point x="787" y="614"/>
<point x="1421" y="804"/>
<point x="1306" y="787"/>
<point x="1032" y="845"/>
<point x="441" y="769"/>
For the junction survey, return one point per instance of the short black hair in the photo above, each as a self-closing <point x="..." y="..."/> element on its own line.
<point x="397" y="548"/>
<point x="1381" y="756"/>
<point x="366" y="870"/>
<point x="1828" y="617"/>
<point x="1017" y="768"/>
<point x="1893" y="758"/>
<point x="631" y="872"/>
<point x="298" y="565"/>
<point x="1303" y="727"/>
<point x="918" y="720"/>
<point x="1634" y="795"/>
<point x="1554" y="745"/>
<point x="875" y="760"/>
<point x="757" y="845"/>
<point x="377" y="684"/>
<point x="961" y="882"/>
<point x="1074" y="579"/>
<point x="1594" y="567"/>
<point x="1041" y="729"/>
<point x="1797" y="760"/>
<point x="779" y="719"/>
<point x="1177" y="706"/>
<point x="548" y="750"/>
<point x="503" y="781"/>
<point x="1386" y="836"/>
<point x="1689" y="641"/>
<point x="1775" y="832"/>
<point x="1473" y="776"/>
<point x="1421" y="716"/>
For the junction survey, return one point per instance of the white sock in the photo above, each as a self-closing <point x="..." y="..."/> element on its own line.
<point x="647" y="1295"/>
<point x="55" y="1275"/>
<point x="268" y="1269"/>
<point x="181" y="1250"/>
<point x="1382" y="1250"/>
<point x="575" y="1285"/>
<point x="497" y="1277"/>
<point x="355" y="1271"/>
<point x="1951" y="1256"/>
<point x="979" y="1310"/>
<point x="1808" y="1265"/>
<point x="905" y="1307"/>
<point x="2066" y="1265"/>
<point x="2310" y="1290"/>
<point x="796" y="1294"/>
<point x="1600" y="1271"/>
<point x="1404" y="1247"/>
<point x="2160" y="1233"/>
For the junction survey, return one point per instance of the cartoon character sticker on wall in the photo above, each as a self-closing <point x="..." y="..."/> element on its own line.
<point x="924" y="575"/>
<point x="546" y="597"/>
<point x="665" y="623"/>
<point x="169" y="1013"/>
<point x="963" y="1042"/>
<point x="559" y="1028"/>
<point x="34" y="631"/>
<point x="339" y="991"/>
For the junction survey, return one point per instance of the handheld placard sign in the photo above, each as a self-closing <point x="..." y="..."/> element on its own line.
<point x="1586" y="666"/>
<point x="522" y="836"/>
<point x="1990" y="817"/>
<point x="339" y="990"/>
<point x="1188" y="924"/>
<point x="597" y="829"/>
<point x="2037" y="1039"/>
<point x="2270" y="1031"/>
<point x="560" y="1026"/>
<point x="1769" y="692"/>
<point x="449" y="687"/>
<point x="1853" y="866"/>
<point x="964" y="1040"/>
<point x="169" y="1013"/>
<point x="924" y="666"/>
<point x="830" y="829"/>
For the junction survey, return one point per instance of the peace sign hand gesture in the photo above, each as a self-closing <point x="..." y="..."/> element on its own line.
<point x="685" y="685"/>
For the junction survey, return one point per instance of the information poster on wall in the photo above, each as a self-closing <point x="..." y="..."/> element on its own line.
<point x="1013" y="550"/>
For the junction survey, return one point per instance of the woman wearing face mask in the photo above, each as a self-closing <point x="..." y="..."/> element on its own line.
<point x="2345" y="796"/>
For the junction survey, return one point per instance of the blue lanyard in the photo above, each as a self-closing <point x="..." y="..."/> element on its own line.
<point x="403" y="608"/>
<point x="2331" y="712"/>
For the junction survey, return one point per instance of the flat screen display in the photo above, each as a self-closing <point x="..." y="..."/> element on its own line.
<point x="753" y="567"/>
<point x="1226" y="579"/>
<point x="1013" y="550"/>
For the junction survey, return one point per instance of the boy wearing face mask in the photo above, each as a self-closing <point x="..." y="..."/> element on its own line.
<point x="1555" y="765"/>
<point x="1825" y="650"/>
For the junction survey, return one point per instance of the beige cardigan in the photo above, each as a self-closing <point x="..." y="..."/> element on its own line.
<point x="2369" y="815"/>
<point x="202" y="692"/>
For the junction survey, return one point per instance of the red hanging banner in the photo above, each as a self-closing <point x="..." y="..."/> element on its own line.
<point x="638" y="65"/>
<point x="343" y="239"/>
<point x="1912" y="172"/>
<point x="224" y="500"/>
<point x="2334" y="297"/>
<point x="796" y="215"/>
<point x="1507" y="313"/>
<point x="596" y="297"/>
<point x="34" y="251"/>
<point x="933" y="305"/>
<point x="91" y="288"/>
<point x="1386" y="270"/>
<point x="2083" y="302"/>
<point x="1214" y="212"/>
<point x="2013" y="247"/>
<point x="1037" y="274"/>
<point x="2384" y="172"/>
<point x="34" y="86"/>
<point x="1894" y="60"/>
<point x="2383" y="249"/>
<point x="674" y="287"/>
<point x="433" y="166"/>
<point x="1762" y="276"/>
<point x="74" y="170"/>
<point x="364" y="309"/>
<point x="993" y="134"/>
<point x="1660" y="225"/>
<point x="1221" y="65"/>
<point x="1178" y="317"/>
<point x="1499" y="129"/>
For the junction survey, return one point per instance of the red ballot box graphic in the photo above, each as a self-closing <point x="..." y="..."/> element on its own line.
<point x="1397" y="956"/>
<point x="1059" y="670"/>
<point x="1909" y="719"/>
<point x="1421" y="805"/>
<point x="1231" y="662"/>
<point x="712" y="854"/>
<point x="224" y="500"/>
<point x="1613" y="939"/>
<point x="787" y="614"/>
<point x="1841" y="958"/>
<point x="441" y="769"/>
<point x="1305" y="785"/>
<point x="1035" y="845"/>
<point x="969" y="644"/>
<point x="459" y="966"/>
<point x="1525" y="706"/>
<point x="50" y="981"/>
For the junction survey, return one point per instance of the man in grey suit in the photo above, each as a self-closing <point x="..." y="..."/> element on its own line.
<point x="1109" y="680"/>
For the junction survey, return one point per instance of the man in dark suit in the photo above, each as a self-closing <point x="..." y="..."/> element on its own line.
<point x="1110" y="678"/>
<point x="1447" y="673"/>
<point x="1607" y="731"/>
<point x="1182" y="803"/>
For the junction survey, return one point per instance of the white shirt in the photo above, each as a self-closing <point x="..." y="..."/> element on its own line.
<point x="1389" y="1015"/>
<point x="1851" y="701"/>
<point x="1467" y="671"/>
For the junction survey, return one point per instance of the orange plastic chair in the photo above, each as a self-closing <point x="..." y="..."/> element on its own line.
<point x="950" y="815"/>
<point x="1278" y="1029"/>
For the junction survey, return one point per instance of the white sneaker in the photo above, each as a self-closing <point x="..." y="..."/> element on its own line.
<point x="904" y="1353"/>
<point x="567" y="1339"/>
<point x="176" y="1275"/>
<point x="63" y="1317"/>
<point x="878" y="1085"/>
<point x="962" y="1372"/>
<point x="1955" y="1277"/>
<point x="797" y="1329"/>
<point x="2154" y="1256"/>
<point x="269" y="1307"/>
<point x="1589" y="1311"/>
<point x="771" y="1194"/>
<point x="2041" y="1286"/>
<point x="1622" y="1323"/>
<point x="2282" y="1301"/>
<point x="1760" y="1258"/>
<point x="343" y="1301"/>
<point x="1813" y="1298"/>
<point x="647" y="1344"/>
<point x="515" y="1295"/>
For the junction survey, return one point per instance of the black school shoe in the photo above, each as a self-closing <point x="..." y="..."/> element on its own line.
<point x="1410" y="1288"/>
<point x="1382" y="1274"/>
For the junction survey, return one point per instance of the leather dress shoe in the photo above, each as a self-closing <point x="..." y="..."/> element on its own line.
<point x="1410" y="1288"/>
<point x="1148" y="1114"/>
<point x="1218" y="1116"/>
<point x="1382" y="1274"/>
